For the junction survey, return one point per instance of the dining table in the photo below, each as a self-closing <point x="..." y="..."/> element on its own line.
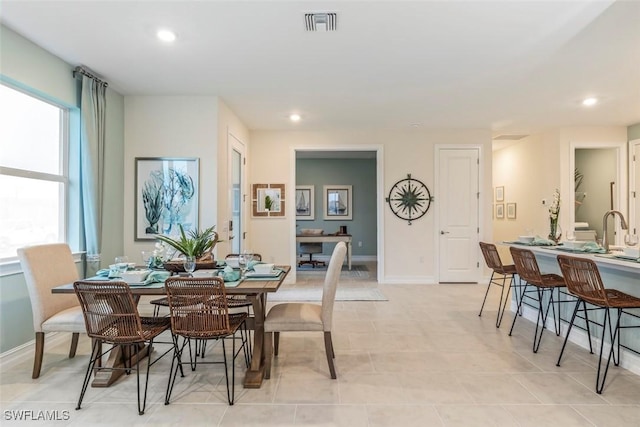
<point x="255" y="288"/>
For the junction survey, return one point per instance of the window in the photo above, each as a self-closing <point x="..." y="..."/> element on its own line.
<point x="33" y="171"/>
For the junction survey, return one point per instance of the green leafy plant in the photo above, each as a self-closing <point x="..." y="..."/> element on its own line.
<point x="196" y="243"/>
<point x="268" y="203"/>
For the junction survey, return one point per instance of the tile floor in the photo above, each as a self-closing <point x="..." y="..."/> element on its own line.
<point x="423" y="358"/>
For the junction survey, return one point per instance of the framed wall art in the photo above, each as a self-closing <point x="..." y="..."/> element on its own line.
<point x="267" y="200"/>
<point x="166" y="195"/>
<point x="338" y="202"/>
<point x="511" y="211"/>
<point x="305" y="209"/>
<point x="499" y="194"/>
<point x="500" y="211"/>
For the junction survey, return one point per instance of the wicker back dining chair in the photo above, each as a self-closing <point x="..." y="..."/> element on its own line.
<point x="111" y="317"/>
<point x="585" y="283"/>
<point x="45" y="267"/>
<point x="500" y="273"/>
<point x="306" y="316"/>
<point x="528" y="270"/>
<point x="199" y="311"/>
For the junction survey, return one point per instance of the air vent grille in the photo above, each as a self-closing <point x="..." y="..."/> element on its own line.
<point x="321" y="21"/>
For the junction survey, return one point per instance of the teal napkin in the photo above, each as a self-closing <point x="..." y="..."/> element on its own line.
<point x="157" y="277"/>
<point x="229" y="274"/>
<point x="103" y="273"/>
<point x="593" y="247"/>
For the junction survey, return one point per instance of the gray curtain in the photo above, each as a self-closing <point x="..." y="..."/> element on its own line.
<point x="92" y="139"/>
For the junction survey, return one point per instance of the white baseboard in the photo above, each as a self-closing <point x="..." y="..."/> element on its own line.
<point x="404" y="280"/>
<point x="628" y="360"/>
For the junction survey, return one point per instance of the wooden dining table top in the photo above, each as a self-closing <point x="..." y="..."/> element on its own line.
<point x="245" y="287"/>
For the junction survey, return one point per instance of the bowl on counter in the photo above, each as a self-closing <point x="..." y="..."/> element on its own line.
<point x="526" y="239"/>
<point x="574" y="244"/>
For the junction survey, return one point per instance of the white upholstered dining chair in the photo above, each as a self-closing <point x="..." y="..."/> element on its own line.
<point x="45" y="267"/>
<point x="306" y="316"/>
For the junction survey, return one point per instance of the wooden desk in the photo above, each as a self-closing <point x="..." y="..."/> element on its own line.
<point x="256" y="291"/>
<point x="328" y="238"/>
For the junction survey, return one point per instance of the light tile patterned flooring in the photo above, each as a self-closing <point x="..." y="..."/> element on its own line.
<point x="423" y="358"/>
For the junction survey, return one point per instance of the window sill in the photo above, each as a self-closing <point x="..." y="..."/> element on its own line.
<point x="12" y="267"/>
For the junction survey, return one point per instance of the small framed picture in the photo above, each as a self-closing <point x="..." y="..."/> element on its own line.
<point x="337" y="202"/>
<point x="304" y="202"/>
<point x="511" y="211"/>
<point x="499" y="194"/>
<point x="500" y="211"/>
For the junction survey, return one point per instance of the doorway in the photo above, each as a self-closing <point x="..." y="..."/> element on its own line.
<point x="458" y="190"/>
<point x="236" y="229"/>
<point x="332" y="170"/>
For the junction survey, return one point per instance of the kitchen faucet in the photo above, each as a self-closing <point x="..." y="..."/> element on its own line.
<point x="623" y="224"/>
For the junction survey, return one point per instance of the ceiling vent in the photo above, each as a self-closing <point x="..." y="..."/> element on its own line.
<point x="321" y="21"/>
<point x="509" y="137"/>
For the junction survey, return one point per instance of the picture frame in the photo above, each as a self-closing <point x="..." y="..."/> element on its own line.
<point x="166" y="196"/>
<point x="337" y="202"/>
<point x="511" y="211"/>
<point x="268" y="200"/>
<point x="305" y="197"/>
<point x="499" y="210"/>
<point x="500" y="194"/>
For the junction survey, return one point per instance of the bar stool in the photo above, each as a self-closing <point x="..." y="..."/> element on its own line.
<point x="528" y="270"/>
<point x="499" y="275"/>
<point x="584" y="282"/>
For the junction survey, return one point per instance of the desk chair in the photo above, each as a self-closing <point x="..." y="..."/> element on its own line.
<point x="584" y="282"/>
<point x="310" y="248"/>
<point x="45" y="267"/>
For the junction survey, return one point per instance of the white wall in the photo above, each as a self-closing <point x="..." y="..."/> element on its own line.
<point x="403" y="153"/>
<point x="170" y="126"/>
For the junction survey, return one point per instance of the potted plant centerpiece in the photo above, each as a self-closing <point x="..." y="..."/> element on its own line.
<point x="195" y="243"/>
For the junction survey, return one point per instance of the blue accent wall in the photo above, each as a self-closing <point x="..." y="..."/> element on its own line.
<point x="361" y="174"/>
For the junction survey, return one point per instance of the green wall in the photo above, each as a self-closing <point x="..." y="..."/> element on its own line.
<point x="633" y="132"/>
<point x="33" y="68"/>
<point x="361" y="174"/>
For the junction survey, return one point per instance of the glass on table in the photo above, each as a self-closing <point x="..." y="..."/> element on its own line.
<point x="189" y="264"/>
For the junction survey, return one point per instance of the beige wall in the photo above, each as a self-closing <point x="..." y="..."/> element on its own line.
<point x="170" y="126"/>
<point x="407" y="251"/>
<point x="533" y="168"/>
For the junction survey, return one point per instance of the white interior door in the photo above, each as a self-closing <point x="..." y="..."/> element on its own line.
<point x="236" y="230"/>
<point x="458" y="213"/>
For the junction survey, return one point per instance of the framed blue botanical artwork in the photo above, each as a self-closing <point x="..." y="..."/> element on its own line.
<point x="166" y="196"/>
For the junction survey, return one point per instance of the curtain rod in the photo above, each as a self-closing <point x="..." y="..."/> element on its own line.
<point x="80" y="70"/>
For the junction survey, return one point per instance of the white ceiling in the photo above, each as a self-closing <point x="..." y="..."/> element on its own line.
<point x="510" y="66"/>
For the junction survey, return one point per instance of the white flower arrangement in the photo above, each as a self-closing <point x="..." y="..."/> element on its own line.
<point x="554" y="209"/>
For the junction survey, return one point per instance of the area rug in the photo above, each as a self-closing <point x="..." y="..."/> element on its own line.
<point x="315" y="294"/>
<point x="359" y="271"/>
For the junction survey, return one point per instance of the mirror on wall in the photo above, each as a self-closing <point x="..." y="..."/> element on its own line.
<point x="595" y="177"/>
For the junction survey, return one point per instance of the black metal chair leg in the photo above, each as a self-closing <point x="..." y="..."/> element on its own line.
<point x="92" y="361"/>
<point x="486" y="293"/>
<point x="600" y="381"/>
<point x="518" y="309"/>
<point x="566" y="338"/>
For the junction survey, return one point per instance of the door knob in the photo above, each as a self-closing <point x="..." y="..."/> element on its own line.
<point x="444" y="232"/>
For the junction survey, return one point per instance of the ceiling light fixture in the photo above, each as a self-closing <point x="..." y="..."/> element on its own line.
<point x="167" y="36"/>
<point x="588" y="102"/>
<point x="294" y="117"/>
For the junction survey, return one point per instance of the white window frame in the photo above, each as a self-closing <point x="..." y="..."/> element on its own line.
<point x="10" y="265"/>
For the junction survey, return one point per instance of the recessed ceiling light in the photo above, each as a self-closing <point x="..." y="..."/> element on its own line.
<point x="166" y="35"/>
<point x="588" y="102"/>
<point x="294" y="117"/>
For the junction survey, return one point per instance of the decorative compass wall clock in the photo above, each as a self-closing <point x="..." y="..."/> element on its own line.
<point x="409" y="199"/>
